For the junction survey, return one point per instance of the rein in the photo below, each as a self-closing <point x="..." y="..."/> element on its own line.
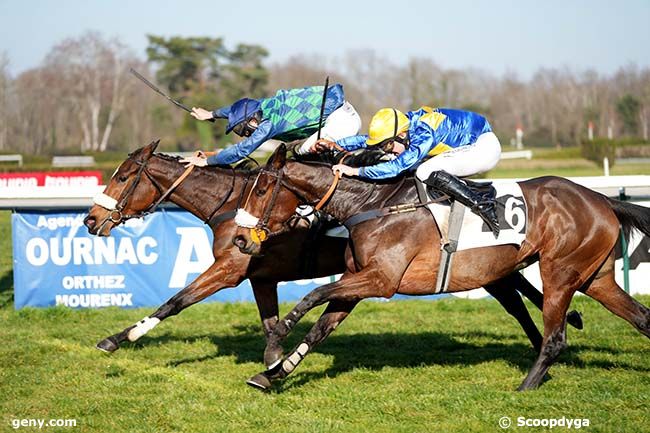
<point x="171" y="189"/>
<point x="329" y="192"/>
<point x="116" y="207"/>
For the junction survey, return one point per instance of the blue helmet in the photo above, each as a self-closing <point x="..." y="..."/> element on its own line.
<point x="242" y="111"/>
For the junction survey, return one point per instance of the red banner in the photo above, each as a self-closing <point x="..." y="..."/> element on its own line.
<point x="55" y="179"/>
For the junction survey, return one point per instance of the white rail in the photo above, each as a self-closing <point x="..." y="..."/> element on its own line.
<point x="12" y="158"/>
<point x="528" y="154"/>
<point x="73" y="161"/>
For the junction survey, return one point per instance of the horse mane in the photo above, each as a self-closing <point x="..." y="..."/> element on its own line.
<point x="244" y="167"/>
<point x="167" y="157"/>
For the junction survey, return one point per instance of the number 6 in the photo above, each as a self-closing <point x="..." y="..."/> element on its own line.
<point x="512" y="211"/>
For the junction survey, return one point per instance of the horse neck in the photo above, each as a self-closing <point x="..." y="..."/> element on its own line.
<point x="351" y="196"/>
<point x="202" y="190"/>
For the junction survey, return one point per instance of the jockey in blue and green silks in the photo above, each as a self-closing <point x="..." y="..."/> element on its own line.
<point x="440" y="144"/>
<point x="289" y="115"/>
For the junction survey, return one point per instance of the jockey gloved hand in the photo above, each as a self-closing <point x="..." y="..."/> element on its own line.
<point x="201" y="113"/>
<point x="200" y="160"/>
<point x="322" y="145"/>
<point x="346" y="170"/>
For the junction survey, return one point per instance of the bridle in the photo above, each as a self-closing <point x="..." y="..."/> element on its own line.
<point x="259" y="227"/>
<point x="116" y="207"/>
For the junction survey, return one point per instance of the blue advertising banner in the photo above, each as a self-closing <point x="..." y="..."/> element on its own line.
<point x="142" y="263"/>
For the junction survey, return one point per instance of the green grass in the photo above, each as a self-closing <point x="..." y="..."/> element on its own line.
<point x="407" y="366"/>
<point x="560" y="163"/>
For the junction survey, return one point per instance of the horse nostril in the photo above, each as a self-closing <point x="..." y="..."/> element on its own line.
<point x="239" y="241"/>
<point x="90" y="222"/>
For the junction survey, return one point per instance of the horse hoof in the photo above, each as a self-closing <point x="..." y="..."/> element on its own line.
<point x="259" y="381"/>
<point x="107" y="345"/>
<point x="574" y="319"/>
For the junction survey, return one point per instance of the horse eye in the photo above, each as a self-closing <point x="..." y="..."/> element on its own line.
<point x="122" y="178"/>
<point x="260" y="192"/>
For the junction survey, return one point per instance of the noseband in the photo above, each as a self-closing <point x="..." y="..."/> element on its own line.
<point x="115" y="207"/>
<point x="260" y="227"/>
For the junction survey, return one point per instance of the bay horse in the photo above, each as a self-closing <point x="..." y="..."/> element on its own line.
<point x="571" y="231"/>
<point x="212" y="194"/>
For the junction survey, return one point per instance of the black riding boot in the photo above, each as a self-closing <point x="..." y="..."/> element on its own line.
<point x="481" y="203"/>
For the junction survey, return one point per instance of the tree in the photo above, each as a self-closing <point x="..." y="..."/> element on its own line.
<point x="4" y="99"/>
<point x="92" y="71"/>
<point x="627" y="108"/>
<point x="202" y="70"/>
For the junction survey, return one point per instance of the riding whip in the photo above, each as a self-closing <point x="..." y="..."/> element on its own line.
<point x="322" y="108"/>
<point x="160" y="92"/>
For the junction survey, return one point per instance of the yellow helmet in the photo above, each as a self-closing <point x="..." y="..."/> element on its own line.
<point x="386" y="123"/>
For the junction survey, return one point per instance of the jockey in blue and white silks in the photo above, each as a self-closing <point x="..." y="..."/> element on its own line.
<point x="289" y="115"/>
<point x="440" y="144"/>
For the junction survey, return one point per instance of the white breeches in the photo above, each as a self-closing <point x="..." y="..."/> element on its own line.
<point x="481" y="156"/>
<point x="343" y="122"/>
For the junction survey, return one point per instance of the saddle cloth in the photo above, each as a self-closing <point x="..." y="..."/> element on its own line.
<point x="511" y="212"/>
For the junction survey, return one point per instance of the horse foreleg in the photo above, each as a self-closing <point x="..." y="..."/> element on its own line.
<point x="369" y="282"/>
<point x="333" y="315"/>
<point x="266" y="297"/>
<point x="220" y="275"/>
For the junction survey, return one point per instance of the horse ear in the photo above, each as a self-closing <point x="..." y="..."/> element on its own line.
<point x="279" y="157"/>
<point x="148" y="150"/>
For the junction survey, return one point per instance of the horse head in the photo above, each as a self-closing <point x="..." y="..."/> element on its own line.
<point x="269" y="205"/>
<point x="129" y="194"/>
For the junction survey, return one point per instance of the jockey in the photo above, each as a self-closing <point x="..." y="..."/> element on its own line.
<point x="456" y="143"/>
<point x="289" y="115"/>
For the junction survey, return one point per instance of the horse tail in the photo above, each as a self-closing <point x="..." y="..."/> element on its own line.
<point x="631" y="216"/>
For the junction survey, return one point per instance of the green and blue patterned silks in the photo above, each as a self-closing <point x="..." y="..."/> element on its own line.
<point x="289" y="115"/>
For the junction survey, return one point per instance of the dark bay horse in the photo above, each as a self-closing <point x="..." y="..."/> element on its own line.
<point x="212" y="194"/>
<point x="571" y="232"/>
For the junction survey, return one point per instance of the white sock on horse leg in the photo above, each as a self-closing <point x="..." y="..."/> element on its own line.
<point x="142" y="327"/>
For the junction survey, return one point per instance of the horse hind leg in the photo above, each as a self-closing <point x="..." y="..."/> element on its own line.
<point x="556" y="305"/>
<point x="561" y="280"/>
<point x="505" y="292"/>
<point x="523" y="286"/>
<point x="605" y="290"/>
